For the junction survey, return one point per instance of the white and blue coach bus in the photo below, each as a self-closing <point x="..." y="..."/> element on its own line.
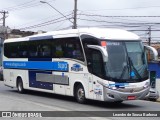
<point x="88" y="63"/>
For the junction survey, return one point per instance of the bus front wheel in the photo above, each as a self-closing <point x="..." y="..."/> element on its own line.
<point x="20" y="85"/>
<point x="80" y="94"/>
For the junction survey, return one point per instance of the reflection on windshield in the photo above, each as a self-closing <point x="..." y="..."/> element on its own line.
<point x="126" y="62"/>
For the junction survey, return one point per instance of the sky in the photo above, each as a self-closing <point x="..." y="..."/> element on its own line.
<point x="31" y="15"/>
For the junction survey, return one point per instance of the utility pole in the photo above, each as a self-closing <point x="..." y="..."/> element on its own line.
<point x="4" y="17"/>
<point x="149" y="38"/>
<point x="4" y="23"/>
<point x="75" y="15"/>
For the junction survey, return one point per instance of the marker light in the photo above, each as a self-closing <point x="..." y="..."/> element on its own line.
<point x="103" y="43"/>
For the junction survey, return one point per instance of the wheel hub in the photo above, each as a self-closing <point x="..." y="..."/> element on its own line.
<point x="80" y="94"/>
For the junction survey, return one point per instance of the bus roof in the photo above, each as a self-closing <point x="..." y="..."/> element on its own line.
<point x="101" y="33"/>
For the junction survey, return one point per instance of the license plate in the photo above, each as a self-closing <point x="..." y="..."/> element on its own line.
<point x="131" y="97"/>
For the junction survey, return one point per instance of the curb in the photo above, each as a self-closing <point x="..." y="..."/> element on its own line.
<point x="158" y="100"/>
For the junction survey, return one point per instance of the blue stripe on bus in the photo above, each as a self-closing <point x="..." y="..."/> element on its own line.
<point x="37" y="65"/>
<point x="41" y="37"/>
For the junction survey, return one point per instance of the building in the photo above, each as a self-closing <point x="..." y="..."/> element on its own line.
<point x="16" y="33"/>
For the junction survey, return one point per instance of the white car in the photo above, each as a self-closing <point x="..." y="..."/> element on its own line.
<point x="153" y="94"/>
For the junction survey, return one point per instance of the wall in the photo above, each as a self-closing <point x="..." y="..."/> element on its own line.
<point x="155" y="66"/>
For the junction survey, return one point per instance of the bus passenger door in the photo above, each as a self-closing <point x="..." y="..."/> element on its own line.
<point x="97" y="69"/>
<point x="90" y="86"/>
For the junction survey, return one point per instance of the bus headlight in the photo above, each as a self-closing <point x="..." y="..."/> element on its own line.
<point x="107" y="85"/>
<point x="112" y="87"/>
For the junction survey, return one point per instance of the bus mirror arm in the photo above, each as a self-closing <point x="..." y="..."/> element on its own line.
<point x="155" y="53"/>
<point x="102" y="50"/>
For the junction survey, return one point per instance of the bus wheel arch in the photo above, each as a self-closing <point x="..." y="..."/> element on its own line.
<point x="19" y="85"/>
<point x="79" y="92"/>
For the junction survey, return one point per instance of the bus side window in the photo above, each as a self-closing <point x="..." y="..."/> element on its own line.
<point x="13" y="50"/>
<point x="45" y="51"/>
<point x="59" y="51"/>
<point x="73" y="49"/>
<point x="58" y="48"/>
<point x="69" y="50"/>
<point x="22" y="49"/>
<point x="33" y="49"/>
<point x="89" y="40"/>
<point x="77" y="52"/>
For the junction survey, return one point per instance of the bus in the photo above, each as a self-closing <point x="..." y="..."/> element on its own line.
<point x="87" y="63"/>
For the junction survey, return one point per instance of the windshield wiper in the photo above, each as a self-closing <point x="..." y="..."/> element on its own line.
<point x="134" y="69"/>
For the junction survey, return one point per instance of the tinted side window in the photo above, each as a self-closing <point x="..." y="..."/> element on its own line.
<point x="57" y="48"/>
<point x="68" y="48"/>
<point x="33" y="49"/>
<point x="22" y="49"/>
<point x="88" y="40"/>
<point x="40" y="49"/>
<point x="15" y="50"/>
<point x="6" y="50"/>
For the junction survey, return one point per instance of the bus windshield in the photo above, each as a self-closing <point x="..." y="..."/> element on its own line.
<point x="126" y="61"/>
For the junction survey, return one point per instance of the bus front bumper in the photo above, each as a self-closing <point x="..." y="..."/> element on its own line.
<point x="114" y="95"/>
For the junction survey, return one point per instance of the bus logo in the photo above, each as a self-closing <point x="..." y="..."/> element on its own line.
<point x="76" y="67"/>
<point x="132" y="90"/>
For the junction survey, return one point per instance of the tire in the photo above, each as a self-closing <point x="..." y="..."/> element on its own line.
<point x="80" y="94"/>
<point x="20" y="85"/>
<point x="152" y="99"/>
<point x="118" y="102"/>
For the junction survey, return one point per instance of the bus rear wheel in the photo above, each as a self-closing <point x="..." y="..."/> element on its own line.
<point x="20" y="85"/>
<point x="80" y="94"/>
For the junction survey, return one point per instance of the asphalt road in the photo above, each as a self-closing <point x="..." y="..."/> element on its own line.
<point x="11" y="100"/>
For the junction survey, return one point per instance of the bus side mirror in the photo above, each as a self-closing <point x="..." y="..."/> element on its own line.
<point x="154" y="52"/>
<point x="102" y="50"/>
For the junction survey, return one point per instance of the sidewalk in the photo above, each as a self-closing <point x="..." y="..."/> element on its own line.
<point x="158" y="87"/>
<point x="158" y="100"/>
